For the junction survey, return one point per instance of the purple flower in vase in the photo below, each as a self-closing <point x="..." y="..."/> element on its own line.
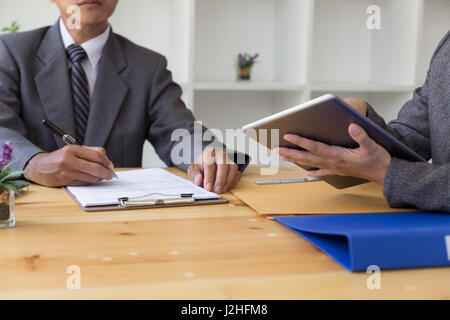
<point x="241" y="58"/>
<point x="246" y="60"/>
<point x="6" y="154"/>
<point x="256" y="56"/>
<point x="12" y="181"/>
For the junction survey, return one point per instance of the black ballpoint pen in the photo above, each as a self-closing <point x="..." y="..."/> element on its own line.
<point x="67" y="138"/>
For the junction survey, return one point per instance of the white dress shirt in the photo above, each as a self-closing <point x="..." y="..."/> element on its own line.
<point x="93" y="50"/>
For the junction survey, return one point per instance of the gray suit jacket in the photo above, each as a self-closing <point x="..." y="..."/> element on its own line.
<point x="424" y="125"/>
<point x="134" y="98"/>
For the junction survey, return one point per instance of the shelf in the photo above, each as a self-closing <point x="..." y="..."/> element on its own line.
<point x="248" y="86"/>
<point x="361" y="87"/>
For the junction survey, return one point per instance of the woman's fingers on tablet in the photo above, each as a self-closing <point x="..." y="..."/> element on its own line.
<point x="319" y="173"/>
<point x="315" y="147"/>
<point x="302" y="157"/>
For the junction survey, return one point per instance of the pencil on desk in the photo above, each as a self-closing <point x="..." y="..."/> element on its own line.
<point x="284" y="181"/>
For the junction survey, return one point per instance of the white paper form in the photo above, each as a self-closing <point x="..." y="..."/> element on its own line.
<point x="137" y="183"/>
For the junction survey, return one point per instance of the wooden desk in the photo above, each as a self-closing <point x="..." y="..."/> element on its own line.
<point x="212" y="252"/>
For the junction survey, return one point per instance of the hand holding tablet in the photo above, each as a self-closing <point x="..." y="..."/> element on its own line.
<point x="323" y="125"/>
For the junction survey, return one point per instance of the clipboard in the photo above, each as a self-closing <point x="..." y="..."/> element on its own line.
<point x="130" y="204"/>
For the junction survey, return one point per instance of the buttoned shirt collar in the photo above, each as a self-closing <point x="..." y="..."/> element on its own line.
<point x="92" y="47"/>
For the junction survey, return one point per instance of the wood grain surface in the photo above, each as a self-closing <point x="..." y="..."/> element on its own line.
<point x="213" y="252"/>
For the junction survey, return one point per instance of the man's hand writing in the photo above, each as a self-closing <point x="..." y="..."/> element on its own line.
<point x="70" y="166"/>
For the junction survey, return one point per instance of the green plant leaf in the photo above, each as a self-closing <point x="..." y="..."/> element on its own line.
<point x="12" y="188"/>
<point x="20" y="183"/>
<point x="13" y="28"/>
<point x="4" y="173"/>
<point x="12" y="176"/>
<point x="9" y="165"/>
<point x="19" y="190"/>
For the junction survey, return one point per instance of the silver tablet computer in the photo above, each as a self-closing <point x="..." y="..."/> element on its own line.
<point x="326" y="119"/>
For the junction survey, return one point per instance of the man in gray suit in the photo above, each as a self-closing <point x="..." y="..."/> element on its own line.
<point x="423" y="124"/>
<point x="101" y="88"/>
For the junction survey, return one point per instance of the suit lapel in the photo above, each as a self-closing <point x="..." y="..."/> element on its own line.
<point x="53" y="84"/>
<point x="109" y="94"/>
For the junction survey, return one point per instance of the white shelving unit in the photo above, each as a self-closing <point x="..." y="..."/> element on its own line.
<point x="307" y="47"/>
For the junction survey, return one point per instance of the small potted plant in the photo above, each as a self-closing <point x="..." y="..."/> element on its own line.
<point x="13" y="28"/>
<point x="245" y="64"/>
<point x="11" y="183"/>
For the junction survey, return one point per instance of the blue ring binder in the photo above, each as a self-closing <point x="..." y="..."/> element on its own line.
<point x="387" y="240"/>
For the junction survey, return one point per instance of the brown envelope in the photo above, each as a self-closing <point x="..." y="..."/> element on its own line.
<point x="308" y="198"/>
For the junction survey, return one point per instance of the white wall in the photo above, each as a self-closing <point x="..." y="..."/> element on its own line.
<point x="31" y="14"/>
<point x="435" y="25"/>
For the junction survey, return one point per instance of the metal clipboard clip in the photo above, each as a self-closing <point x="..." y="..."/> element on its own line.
<point x="127" y="202"/>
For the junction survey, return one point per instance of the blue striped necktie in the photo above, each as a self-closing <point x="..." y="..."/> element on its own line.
<point x="80" y="90"/>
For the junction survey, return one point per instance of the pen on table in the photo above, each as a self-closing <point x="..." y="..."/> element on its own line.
<point x="68" y="139"/>
<point x="283" y="181"/>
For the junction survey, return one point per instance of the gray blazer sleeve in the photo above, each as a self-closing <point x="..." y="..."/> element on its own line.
<point x="422" y="185"/>
<point x="411" y="127"/>
<point x="168" y="113"/>
<point x="12" y="127"/>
